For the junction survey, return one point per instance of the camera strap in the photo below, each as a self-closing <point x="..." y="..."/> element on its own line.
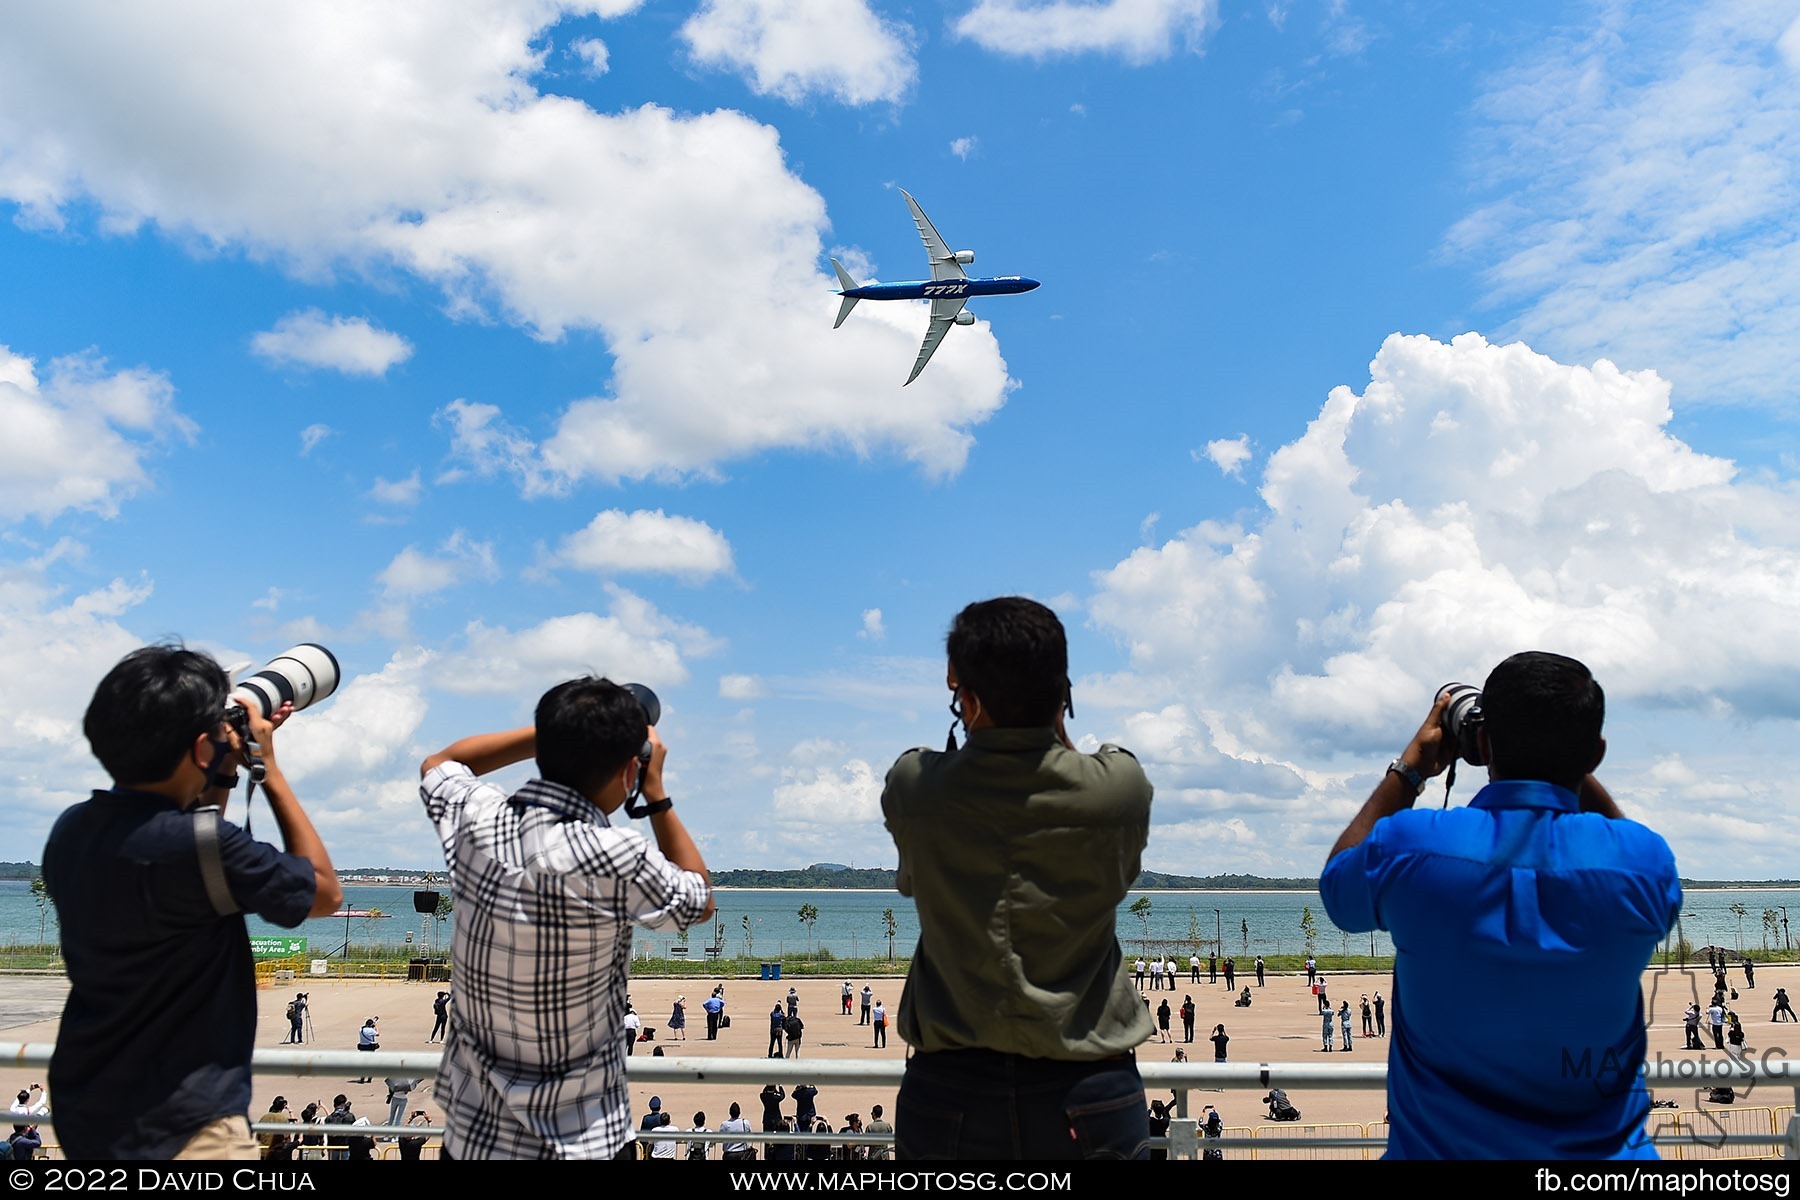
<point x="212" y="867"/>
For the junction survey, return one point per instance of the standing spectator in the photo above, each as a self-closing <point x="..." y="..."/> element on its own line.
<point x="777" y="1031"/>
<point x="1325" y="1029"/>
<point x="1017" y="850"/>
<point x="1156" y="973"/>
<point x="795" y="1028"/>
<point x="154" y="1062"/>
<point x="1194" y="968"/>
<point x="1187" y="1018"/>
<point x="1220" y="1040"/>
<point x="440" y="1012"/>
<point x="296" y="1015"/>
<point x="277" y="1147"/>
<point x="400" y="1090"/>
<point x="30" y="1102"/>
<point x="1212" y="1126"/>
<point x="868" y="994"/>
<point x="1451" y="885"/>
<point x="664" y="1148"/>
<point x="1163" y="1015"/>
<point x="737" y="1148"/>
<point x="24" y="1143"/>
<point x="1380" y="1016"/>
<point x="633" y="1026"/>
<point x="806" y="1106"/>
<point x="878" y="1124"/>
<point x="1159" y="1128"/>
<point x="1312" y="973"/>
<point x="697" y="1150"/>
<point x="412" y="1145"/>
<point x="1344" y="1023"/>
<point x="1137" y="969"/>
<point x="543" y="882"/>
<point x="1212" y="967"/>
<point x="1259" y="971"/>
<point x="793" y="1003"/>
<point x="714" y="1006"/>
<point x="1368" y="1017"/>
<point x="1230" y="974"/>
<point x="848" y="993"/>
<point x="880" y="1025"/>
<point x="336" y="1144"/>
<point x="1715" y="1015"/>
<point x="1749" y="975"/>
<point x="1783" y="1010"/>
<point x="678" y="1019"/>
<point x="771" y="1096"/>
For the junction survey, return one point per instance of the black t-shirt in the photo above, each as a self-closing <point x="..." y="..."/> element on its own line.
<point x="1219" y="1041"/>
<point x="160" y="1021"/>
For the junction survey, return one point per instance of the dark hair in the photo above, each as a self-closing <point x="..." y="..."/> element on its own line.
<point x="587" y="729"/>
<point x="148" y="710"/>
<point x="1543" y="714"/>
<point x="1013" y="655"/>
<point x="735" y="1110"/>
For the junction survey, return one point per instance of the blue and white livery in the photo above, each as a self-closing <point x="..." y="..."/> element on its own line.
<point x="948" y="289"/>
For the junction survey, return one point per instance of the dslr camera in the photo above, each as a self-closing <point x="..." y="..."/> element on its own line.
<point x="1462" y="718"/>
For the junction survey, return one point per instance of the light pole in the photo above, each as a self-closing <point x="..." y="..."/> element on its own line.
<point x="1785" y="943"/>
<point x="1218" y="931"/>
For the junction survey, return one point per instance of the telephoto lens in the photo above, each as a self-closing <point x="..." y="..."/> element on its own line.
<point x="1462" y="717"/>
<point x="302" y="676"/>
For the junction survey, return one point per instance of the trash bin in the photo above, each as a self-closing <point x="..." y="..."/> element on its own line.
<point x="771" y="970"/>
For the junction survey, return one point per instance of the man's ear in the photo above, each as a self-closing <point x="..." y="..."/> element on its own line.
<point x="1599" y="755"/>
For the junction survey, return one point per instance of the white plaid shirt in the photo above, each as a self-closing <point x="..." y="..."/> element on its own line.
<point x="546" y="892"/>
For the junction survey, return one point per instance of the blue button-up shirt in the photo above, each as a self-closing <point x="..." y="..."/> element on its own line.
<point x="1521" y="930"/>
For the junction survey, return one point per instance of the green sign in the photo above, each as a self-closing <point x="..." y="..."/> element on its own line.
<point x="277" y="947"/>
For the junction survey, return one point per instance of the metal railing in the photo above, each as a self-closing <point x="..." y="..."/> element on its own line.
<point x="1678" y="1134"/>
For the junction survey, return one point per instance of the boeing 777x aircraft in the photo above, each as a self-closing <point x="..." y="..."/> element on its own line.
<point x="948" y="289"/>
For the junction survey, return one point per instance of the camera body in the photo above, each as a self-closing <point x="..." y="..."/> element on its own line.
<point x="1462" y="719"/>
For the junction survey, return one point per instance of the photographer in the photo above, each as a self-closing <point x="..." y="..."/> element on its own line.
<point x="1539" y="880"/>
<point x="153" y="1056"/>
<point x="1017" y="850"/>
<point x="546" y="891"/>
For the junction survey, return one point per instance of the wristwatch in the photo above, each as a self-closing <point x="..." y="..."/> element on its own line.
<point x="1412" y="777"/>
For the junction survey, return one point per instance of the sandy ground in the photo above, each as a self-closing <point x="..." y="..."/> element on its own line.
<point x="1282" y="1025"/>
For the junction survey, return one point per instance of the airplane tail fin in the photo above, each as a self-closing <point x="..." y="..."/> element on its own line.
<point x="847" y="284"/>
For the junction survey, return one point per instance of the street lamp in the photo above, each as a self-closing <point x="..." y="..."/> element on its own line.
<point x="1785" y="943"/>
<point x="1219" y="931"/>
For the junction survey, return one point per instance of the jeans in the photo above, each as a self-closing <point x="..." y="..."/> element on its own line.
<point x="967" y="1104"/>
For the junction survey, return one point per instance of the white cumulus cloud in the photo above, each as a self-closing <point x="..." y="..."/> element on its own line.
<point x="78" y="439"/>
<point x="1137" y="31"/>
<point x="338" y="136"/>
<point x="1473" y="501"/>
<point x="616" y="542"/>
<point x="1229" y="454"/>
<point x="873" y="628"/>
<point x="414" y="572"/>
<point x="794" y="49"/>
<point x="742" y="687"/>
<point x="347" y="344"/>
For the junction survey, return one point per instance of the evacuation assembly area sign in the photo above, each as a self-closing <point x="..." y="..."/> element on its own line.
<point x="277" y="947"/>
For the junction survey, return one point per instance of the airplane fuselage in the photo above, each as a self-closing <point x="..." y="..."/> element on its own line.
<point x="942" y="289"/>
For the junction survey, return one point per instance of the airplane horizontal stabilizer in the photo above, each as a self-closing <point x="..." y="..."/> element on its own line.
<point x="847" y="284"/>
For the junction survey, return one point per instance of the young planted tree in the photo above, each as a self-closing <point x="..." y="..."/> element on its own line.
<point x="1140" y="908"/>
<point x="1771" y="920"/>
<point x="1739" y="910"/>
<point x="40" y="896"/>
<point x="808" y="914"/>
<point x="1193" y="936"/>
<point x="1309" y="929"/>
<point x="889" y="926"/>
<point x="749" y="939"/>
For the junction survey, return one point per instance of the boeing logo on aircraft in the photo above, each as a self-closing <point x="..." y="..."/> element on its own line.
<point x="948" y="289"/>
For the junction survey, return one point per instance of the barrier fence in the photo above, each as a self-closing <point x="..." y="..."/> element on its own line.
<point x="1747" y="1130"/>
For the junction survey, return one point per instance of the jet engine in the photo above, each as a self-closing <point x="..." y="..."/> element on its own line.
<point x="964" y="256"/>
<point x="965" y="317"/>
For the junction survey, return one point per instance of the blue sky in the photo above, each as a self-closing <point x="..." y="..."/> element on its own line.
<point x="1375" y="343"/>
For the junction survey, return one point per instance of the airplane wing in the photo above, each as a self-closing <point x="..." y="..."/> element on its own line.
<point x="943" y="259"/>
<point x="943" y="316"/>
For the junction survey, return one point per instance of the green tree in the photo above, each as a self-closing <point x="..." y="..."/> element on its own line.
<point x="40" y="896"/>
<point x="749" y="939"/>
<point x="1140" y="908"/>
<point x="1309" y="929"/>
<point x="1193" y="929"/>
<point x="1771" y="920"/>
<point x="808" y="914"/>
<point x="1245" y="922"/>
<point x="1738" y="910"/>
<point x="889" y="926"/>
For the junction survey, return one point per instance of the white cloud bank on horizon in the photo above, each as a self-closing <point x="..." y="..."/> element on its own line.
<point x="399" y="140"/>
<point x="1137" y="31"/>
<point x="347" y="344"/>
<point x="796" y="49"/>
<point x="1473" y="501"/>
<point x="1646" y="165"/>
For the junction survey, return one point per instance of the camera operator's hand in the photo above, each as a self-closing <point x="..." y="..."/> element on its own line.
<point x="653" y="789"/>
<point x="262" y="732"/>
<point x="1430" y="752"/>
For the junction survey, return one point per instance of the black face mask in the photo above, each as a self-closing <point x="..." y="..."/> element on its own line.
<point x="956" y="712"/>
<point x="216" y="775"/>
